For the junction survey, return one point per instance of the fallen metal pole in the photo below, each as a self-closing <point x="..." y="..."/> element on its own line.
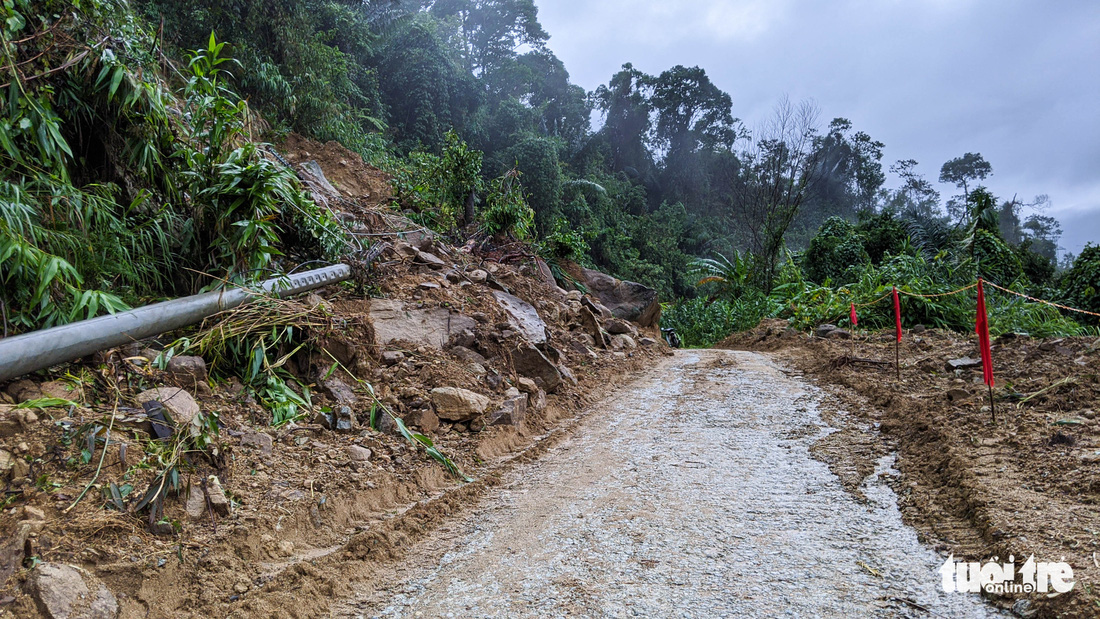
<point x="30" y="352"/>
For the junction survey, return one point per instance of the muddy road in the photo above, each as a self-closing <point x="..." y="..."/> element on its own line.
<point x="691" y="492"/>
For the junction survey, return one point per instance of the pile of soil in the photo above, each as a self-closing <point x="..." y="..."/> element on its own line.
<point x="1025" y="484"/>
<point x="311" y="507"/>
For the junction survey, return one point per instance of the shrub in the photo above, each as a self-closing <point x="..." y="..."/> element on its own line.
<point x="835" y="253"/>
<point x="1080" y="285"/>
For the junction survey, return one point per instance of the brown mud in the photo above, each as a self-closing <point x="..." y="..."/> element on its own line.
<point x="1026" y="484"/>
<point x="307" y="520"/>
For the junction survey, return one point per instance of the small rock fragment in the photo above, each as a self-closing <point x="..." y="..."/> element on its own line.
<point x="392" y="357"/>
<point x="358" y="454"/>
<point x="259" y="440"/>
<point x="216" y="496"/>
<point x="962" y="364"/>
<point x="69" y="592"/>
<point x="188" y="369"/>
<point x="431" y="260"/>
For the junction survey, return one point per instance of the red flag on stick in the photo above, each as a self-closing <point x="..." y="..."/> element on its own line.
<point x="982" y="327"/>
<point x="897" y="324"/>
<point x="897" y="312"/>
<point x="853" y="317"/>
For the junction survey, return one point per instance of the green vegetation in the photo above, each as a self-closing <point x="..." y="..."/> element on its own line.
<point x="120" y="185"/>
<point x="132" y="168"/>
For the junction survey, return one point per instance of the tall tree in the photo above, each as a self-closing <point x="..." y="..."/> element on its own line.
<point x="916" y="197"/>
<point x="692" y="113"/>
<point x="781" y="168"/>
<point x="692" y="122"/>
<point x="424" y="88"/>
<point x="492" y="30"/>
<point x="960" y="172"/>
<point x="624" y="102"/>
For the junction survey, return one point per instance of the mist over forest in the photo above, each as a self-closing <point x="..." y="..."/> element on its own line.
<point x="650" y="177"/>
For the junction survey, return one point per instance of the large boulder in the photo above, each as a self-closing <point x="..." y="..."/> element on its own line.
<point x="68" y="592"/>
<point x="530" y="362"/>
<point x="421" y="327"/>
<point x="457" y="404"/>
<point x="627" y="300"/>
<point x="523" y="317"/>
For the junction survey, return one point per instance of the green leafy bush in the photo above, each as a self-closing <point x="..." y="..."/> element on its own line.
<point x="1080" y="285"/>
<point x="702" y="322"/>
<point x="836" y="253"/>
<point x="564" y="243"/>
<point x="506" y="212"/>
<point x="179" y="188"/>
<point x="995" y="260"/>
<point x="436" y="187"/>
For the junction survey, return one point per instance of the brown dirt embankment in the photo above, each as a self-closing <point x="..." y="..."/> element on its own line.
<point x="1026" y="484"/>
<point x="310" y="509"/>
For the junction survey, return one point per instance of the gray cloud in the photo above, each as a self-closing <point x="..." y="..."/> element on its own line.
<point x="1016" y="81"/>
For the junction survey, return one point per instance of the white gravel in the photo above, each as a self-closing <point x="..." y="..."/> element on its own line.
<point x="691" y="493"/>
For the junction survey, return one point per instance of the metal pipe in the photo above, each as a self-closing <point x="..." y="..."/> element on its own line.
<point x="29" y="352"/>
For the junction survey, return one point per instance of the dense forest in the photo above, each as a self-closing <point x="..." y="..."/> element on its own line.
<point x="120" y="139"/>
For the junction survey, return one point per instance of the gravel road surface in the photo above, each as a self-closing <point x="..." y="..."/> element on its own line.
<point x="691" y="492"/>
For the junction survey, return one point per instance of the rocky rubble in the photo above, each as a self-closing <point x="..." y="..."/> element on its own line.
<point x="479" y="355"/>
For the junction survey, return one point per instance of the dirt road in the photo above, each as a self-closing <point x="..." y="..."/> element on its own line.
<point x="690" y="493"/>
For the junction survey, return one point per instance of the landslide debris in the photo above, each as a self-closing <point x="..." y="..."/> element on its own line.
<point x="474" y="349"/>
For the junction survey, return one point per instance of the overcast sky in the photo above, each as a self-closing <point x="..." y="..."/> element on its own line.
<point x="1018" y="82"/>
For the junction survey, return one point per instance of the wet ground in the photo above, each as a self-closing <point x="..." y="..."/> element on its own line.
<point x="692" y="493"/>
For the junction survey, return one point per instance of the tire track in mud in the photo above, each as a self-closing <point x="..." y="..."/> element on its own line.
<point x="692" y="493"/>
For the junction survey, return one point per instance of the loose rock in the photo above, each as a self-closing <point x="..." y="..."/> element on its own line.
<point x="512" y="412"/>
<point x="421" y="327"/>
<point x="522" y="317"/>
<point x="216" y="496"/>
<point x="188" y="369"/>
<point x="68" y="592"/>
<point x="195" y="507"/>
<point x="339" y="391"/>
<point x="392" y="357"/>
<point x="530" y="362"/>
<point x="457" y="404"/>
<point x="618" y="326"/>
<point x="178" y="402"/>
<point x="431" y="260"/>
<point x="623" y="342"/>
<point x="23" y="390"/>
<point x="61" y="390"/>
<point x="627" y="300"/>
<point x="358" y="454"/>
<point x="962" y="364"/>
<point x="259" y="440"/>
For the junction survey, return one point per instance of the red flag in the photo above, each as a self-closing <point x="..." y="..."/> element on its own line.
<point x="853" y="317"/>
<point x="897" y="312"/>
<point x="982" y="327"/>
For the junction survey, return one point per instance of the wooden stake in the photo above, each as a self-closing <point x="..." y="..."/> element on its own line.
<point x="992" y="405"/>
